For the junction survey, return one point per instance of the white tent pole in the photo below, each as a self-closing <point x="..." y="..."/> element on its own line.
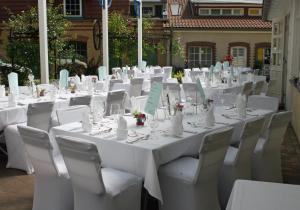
<point x="43" y="37"/>
<point x="140" y="36"/>
<point x="105" y="35"/>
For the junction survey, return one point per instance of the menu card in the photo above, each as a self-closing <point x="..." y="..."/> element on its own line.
<point x="153" y="98"/>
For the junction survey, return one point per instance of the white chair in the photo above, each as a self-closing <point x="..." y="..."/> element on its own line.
<point x="195" y="74"/>
<point x="258" y="88"/>
<point x="190" y="92"/>
<point x="156" y="79"/>
<point x="136" y="87"/>
<point x="226" y="99"/>
<point x="115" y="97"/>
<point x="138" y="103"/>
<point x="189" y="183"/>
<point x="167" y="72"/>
<point x="130" y="73"/>
<point x="38" y="116"/>
<point x="114" y="81"/>
<point x="96" y="187"/>
<point x="266" y="165"/>
<point x="247" y="89"/>
<point x="271" y="87"/>
<point x="52" y="187"/>
<point x="80" y="100"/>
<point x="173" y="89"/>
<point x="157" y="70"/>
<point x="263" y="102"/>
<point x="71" y="114"/>
<point x="237" y="163"/>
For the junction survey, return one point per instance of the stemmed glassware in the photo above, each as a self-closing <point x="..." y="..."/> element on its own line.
<point x="153" y="123"/>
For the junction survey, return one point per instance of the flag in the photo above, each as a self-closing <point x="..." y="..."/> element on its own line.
<point x="137" y="4"/>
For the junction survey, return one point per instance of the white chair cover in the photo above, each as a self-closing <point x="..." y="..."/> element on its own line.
<point x="247" y="88"/>
<point x="157" y="70"/>
<point x="258" y="88"/>
<point x="52" y="188"/>
<point x="38" y="116"/>
<point x="71" y="114"/>
<point x="117" y="70"/>
<point x="156" y="79"/>
<point x="195" y="74"/>
<point x="114" y="81"/>
<point x="266" y="165"/>
<point x="237" y="163"/>
<point x="174" y="89"/>
<point x="96" y="187"/>
<point x="115" y="97"/>
<point x="271" y="87"/>
<point x="80" y="100"/>
<point x="13" y="83"/>
<point x="189" y="183"/>
<point x="263" y="102"/>
<point x="190" y="91"/>
<point x="167" y="72"/>
<point x="136" y="87"/>
<point x="138" y="103"/>
<point x="130" y="73"/>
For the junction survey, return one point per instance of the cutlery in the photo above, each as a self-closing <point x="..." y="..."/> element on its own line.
<point x="138" y="139"/>
<point x="187" y="131"/>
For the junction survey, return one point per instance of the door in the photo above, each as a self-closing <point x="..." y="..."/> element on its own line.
<point x="277" y="48"/>
<point x="239" y="56"/>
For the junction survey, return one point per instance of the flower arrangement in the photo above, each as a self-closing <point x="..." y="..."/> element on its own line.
<point x="178" y="107"/>
<point x="228" y="58"/>
<point x="140" y="118"/>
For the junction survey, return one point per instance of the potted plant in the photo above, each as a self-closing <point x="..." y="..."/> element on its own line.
<point x="140" y="118"/>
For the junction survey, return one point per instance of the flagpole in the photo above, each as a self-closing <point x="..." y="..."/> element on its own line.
<point x="140" y="36"/>
<point x="43" y="39"/>
<point x="105" y="35"/>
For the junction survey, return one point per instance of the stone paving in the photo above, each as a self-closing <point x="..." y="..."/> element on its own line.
<point x="16" y="188"/>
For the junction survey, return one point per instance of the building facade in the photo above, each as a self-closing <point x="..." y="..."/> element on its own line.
<point x="285" y="59"/>
<point x="211" y="29"/>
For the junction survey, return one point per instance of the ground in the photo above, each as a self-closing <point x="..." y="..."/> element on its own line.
<point x="16" y="188"/>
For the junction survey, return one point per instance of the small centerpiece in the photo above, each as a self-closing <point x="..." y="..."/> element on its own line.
<point x="140" y="118"/>
<point x="178" y="107"/>
<point x="229" y="59"/>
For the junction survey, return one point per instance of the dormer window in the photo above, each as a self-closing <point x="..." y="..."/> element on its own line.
<point x="73" y="8"/>
<point x="220" y="12"/>
<point x="254" y="12"/>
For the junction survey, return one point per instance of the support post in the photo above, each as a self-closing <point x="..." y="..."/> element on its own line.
<point x="105" y="36"/>
<point x="140" y="36"/>
<point x="43" y="39"/>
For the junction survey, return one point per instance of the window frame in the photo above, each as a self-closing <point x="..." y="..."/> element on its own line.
<point x="255" y="15"/>
<point x="73" y="16"/>
<point x="75" y="43"/>
<point x="197" y="60"/>
<point x="245" y="56"/>
<point x="242" y="11"/>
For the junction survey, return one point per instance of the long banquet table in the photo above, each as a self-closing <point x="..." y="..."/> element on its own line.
<point x="144" y="157"/>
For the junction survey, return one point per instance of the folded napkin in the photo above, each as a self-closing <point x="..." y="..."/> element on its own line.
<point x="122" y="131"/>
<point x="210" y="115"/>
<point x="86" y="124"/>
<point x="176" y="124"/>
<point x="12" y="102"/>
<point x="241" y="106"/>
<point x="2" y="91"/>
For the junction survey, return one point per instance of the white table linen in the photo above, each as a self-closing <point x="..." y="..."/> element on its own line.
<point x="143" y="158"/>
<point x="250" y="195"/>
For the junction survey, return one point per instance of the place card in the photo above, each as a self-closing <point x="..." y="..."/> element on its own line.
<point x="153" y="98"/>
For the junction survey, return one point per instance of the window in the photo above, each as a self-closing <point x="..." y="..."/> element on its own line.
<point x="215" y="12"/>
<point x="73" y="8"/>
<point x="148" y="11"/>
<point x="158" y="11"/>
<point x="80" y="49"/>
<point x="220" y="12"/>
<point x="239" y="56"/>
<point x="254" y="12"/>
<point x="204" y="11"/>
<point x="199" y="56"/>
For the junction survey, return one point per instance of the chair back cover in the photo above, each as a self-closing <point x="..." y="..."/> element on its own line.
<point x="138" y="103"/>
<point x="130" y="73"/>
<point x="271" y="87"/>
<point x="263" y="102"/>
<point x="114" y="81"/>
<point x="136" y="87"/>
<point x="156" y="79"/>
<point x="39" y="115"/>
<point x="276" y="131"/>
<point x="83" y="163"/>
<point x="247" y="88"/>
<point x="211" y="155"/>
<point x="71" y="114"/>
<point x="115" y="97"/>
<point x="258" y="88"/>
<point x="167" y="72"/>
<point x="195" y="74"/>
<point x="39" y="149"/>
<point x="13" y="83"/>
<point x="173" y="88"/>
<point x="63" y="78"/>
<point x="157" y="70"/>
<point x="102" y="73"/>
<point x="250" y="135"/>
<point x="80" y="100"/>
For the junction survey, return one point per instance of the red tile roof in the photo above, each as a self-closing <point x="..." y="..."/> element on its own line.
<point x="188" y="21"/>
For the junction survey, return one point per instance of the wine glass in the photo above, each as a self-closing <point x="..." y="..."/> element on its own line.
<point x="115" y="111"/>
<point x="152" y="120"/>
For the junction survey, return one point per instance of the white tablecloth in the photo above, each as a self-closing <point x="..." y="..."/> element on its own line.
<point x="252" y="195"/>
<point x="143" y="158"/>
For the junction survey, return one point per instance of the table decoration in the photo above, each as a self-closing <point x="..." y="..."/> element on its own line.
<point x="140" y="118"/>
<point x="122" y="131"/>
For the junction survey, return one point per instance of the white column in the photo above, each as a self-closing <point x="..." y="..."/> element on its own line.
<point x="140" y="36"/>
<point x="43" y="37"/>
<point x="105" y="36"/>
